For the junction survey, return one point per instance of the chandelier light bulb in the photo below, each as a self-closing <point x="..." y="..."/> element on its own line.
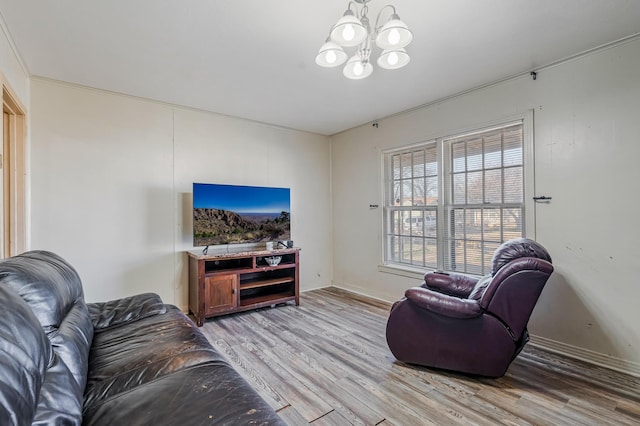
<point x="348" y="33"/>
<point x="394" y="36"/>
<point x="331" y="57"/>
<point x="393" y="58"/>
<point x="358" y="69"/>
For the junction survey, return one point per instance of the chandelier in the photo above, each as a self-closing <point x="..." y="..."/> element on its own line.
<point x="353" y="30"/>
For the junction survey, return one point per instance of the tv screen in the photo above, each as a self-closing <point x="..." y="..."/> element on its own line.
<point x="233" y="214"/>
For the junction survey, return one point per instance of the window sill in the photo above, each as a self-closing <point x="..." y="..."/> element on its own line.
<point x="404" y="271"/>
<point x="417" y="273"/>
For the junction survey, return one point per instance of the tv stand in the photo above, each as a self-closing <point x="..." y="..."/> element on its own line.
<point x="221" y="284"/>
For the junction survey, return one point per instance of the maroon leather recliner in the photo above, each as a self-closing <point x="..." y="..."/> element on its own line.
<point x="471" y="325"/>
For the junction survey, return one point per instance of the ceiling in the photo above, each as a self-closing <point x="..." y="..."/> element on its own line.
<point x="255" y="59"/>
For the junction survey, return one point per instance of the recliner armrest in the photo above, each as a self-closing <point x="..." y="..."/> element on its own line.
<point x="443" y="304"/>
<point x="120" y="311"/>
<point x="450" y="283"/>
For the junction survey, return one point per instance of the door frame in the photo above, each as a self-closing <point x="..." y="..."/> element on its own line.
<point x="14" y="176"/>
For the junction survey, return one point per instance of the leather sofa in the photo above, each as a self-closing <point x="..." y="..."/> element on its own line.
<point x="474" y="325"/>
<point x="132" y="361"/>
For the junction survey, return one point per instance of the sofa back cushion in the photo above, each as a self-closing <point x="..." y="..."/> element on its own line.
<point x="25" y="353"/>
<point x="53" y="290"/>
<point x="46" y="282"/>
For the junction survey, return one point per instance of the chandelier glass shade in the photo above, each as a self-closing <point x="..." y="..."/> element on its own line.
<point x="353" y="29"/>
<point x="393" y="59"/>
<point x="331" y="55"/>
<point x="348" y="31"/>
<point x="356" y="69"/>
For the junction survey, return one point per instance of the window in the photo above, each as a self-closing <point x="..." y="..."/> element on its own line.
<point x="450" y="202"/>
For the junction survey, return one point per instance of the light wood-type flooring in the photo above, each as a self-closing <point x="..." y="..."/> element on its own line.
<point x="326" y="362"/>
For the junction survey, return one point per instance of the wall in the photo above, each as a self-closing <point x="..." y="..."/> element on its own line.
<point x="111" y="185"/>
<point x="12" y="68"/>
<point x="586" y="126"/>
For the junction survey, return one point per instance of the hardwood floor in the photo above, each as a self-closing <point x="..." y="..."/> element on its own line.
<point x="326" y="362"/>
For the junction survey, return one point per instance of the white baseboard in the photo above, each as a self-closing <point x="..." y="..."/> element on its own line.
<point x="586" y="355"/>
<point x="350" y="290"/>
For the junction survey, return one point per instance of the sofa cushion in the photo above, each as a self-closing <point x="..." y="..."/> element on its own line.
<point x="46" y="282"/>
<point x="25" y="353"/>
<point x="117" y="312"/>
<point x="138" y="352"/>
<point x="207" y="394"/>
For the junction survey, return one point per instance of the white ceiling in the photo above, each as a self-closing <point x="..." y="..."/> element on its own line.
<point x="255" y="58"/>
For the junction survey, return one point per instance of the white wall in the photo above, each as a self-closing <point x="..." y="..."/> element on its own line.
<point x="111" y="185"/>
<point x="586" y="123"/>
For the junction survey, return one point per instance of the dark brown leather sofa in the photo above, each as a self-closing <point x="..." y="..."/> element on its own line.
<point x="468" y="324"/>
<point x="133" y="361"/>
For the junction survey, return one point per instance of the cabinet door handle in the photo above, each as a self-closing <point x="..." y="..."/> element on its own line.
<point x="233" y="291"/>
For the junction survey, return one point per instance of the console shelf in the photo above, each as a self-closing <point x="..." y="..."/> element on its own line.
<point x="263" y="283"/>
<point x="221" y="284"/>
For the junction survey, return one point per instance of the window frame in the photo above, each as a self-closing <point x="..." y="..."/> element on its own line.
<point x="388" y="265"/>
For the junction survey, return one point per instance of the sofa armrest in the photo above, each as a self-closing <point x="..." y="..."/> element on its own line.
<point x="443" y="304"/>
<point x="450" y="283"/>
<point x="121" y="311"/>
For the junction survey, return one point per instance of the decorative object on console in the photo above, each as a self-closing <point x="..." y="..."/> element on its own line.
<point x="273" y="260"/>
<point x="285" y="244"/>
<point x="462" y="323"/>
<point x="349" y="31"/>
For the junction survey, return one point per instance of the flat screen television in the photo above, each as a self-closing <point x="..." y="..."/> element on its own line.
<point x="234" y="214"/>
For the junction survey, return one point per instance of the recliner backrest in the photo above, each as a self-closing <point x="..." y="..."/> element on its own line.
<point x="515" y="249"/>
<point x="520" y="269"/>
<point x="514" y="291"/>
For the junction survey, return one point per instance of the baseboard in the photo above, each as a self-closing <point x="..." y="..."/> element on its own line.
<point x="350" y="290"/>
<point x="586" y="355"/>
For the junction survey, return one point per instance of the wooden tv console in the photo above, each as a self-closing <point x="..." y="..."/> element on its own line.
<point x="221" y="284"/>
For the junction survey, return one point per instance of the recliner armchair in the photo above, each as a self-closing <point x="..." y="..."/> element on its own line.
<point x="467" y="324"/>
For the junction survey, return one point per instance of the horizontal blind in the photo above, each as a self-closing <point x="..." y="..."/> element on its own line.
<point x="411" y="204"/>
<point x="484" y="205"/>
